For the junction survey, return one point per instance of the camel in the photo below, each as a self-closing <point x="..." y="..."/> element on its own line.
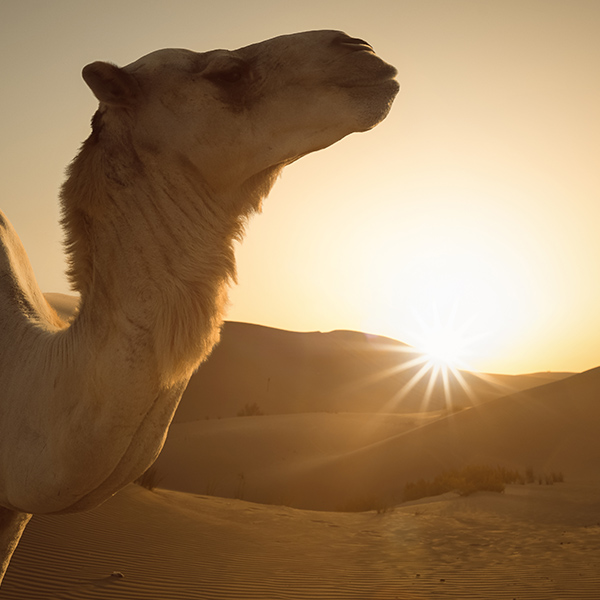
<point x="184" y="148"/>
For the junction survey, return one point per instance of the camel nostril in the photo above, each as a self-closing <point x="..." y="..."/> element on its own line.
<point x="353" y="43"/>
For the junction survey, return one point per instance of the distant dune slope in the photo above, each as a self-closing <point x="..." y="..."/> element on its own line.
<point x="285" y="372"/>
<point x="324" y="462"/>
<point x="258" y="458"/>
<point x="550" y="428"/>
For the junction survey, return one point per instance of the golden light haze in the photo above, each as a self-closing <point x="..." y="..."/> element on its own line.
<point x="468" y="218"/>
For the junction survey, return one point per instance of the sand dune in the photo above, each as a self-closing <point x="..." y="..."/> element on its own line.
<point x="328" y="462"/>
<point x="552" y="427"/>
<point x="258" y="458"/>
<point x="285" y="372"/>
<point x="533" y="542"/>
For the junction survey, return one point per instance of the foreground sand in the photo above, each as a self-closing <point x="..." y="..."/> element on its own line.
<point x="533" y="542"/>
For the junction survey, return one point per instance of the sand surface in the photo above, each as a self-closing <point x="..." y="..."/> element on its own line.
<point x="533" y="542"/>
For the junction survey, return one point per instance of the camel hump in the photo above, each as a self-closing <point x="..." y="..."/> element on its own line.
<point x="20" y="296"/>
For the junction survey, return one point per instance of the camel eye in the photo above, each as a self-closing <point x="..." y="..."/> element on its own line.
<point x="229" y="75"/>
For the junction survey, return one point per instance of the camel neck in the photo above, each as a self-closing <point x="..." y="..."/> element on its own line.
<point x="152" y="257"/>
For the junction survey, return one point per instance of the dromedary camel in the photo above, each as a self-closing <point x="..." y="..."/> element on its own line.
<point x="183" y="148"/>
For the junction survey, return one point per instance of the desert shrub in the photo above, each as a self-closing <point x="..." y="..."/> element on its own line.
<point x="529" y="475"/>
<point x="475" y="478"/>
<point x="241" y="486"/>
<point x="250" y="410"/>
<point x="149" y="479"/>
<point x="552" y="478"/>
<point x="465" y="481"/>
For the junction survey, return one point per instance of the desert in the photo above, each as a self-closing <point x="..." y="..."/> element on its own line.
<point x="324" y="321"/>
<point x="308" y="504"/>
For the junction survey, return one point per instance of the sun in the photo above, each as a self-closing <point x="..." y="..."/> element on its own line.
<point x="442" y="350"/>
<point x="444" y="346"/>
<point x="445" y="338"/>
<point x="434" y="363"/>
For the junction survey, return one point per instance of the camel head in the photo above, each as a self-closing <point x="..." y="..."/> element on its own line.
<point x="231" y="115"/>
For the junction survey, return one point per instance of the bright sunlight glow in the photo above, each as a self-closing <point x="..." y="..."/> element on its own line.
<point x="452" y="285"/>
<point x="443" y="349"/>
<point x="444" y="339"/>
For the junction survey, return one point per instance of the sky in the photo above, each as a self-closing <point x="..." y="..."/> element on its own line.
<point x="467" y="222"/>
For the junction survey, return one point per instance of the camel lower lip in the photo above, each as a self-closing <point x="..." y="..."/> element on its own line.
<point x="371" y="83"/>
<point x="381" y="74"/>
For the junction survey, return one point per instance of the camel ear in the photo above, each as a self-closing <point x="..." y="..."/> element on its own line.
<point x="110" y="84"/>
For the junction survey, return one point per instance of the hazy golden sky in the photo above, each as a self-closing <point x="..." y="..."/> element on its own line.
<point x="472" y="212"/>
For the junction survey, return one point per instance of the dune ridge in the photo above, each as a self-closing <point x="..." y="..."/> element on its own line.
<point x="286" y="372"/>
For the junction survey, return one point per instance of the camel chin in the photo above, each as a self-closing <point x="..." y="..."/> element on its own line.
<point x="184" y="147"/>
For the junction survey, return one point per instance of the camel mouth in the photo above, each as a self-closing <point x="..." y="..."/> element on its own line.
<point x="383" y="85"/>
<point x="389" y="80"/>
<point x="361" y="60"/>
<point x="366" y="69"/>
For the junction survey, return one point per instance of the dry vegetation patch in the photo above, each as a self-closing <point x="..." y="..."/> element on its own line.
<point x="250" y="410"/>
<point x="474" y="478"/>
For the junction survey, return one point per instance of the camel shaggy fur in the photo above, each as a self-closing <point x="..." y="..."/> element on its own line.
<point x="184" y="147"/>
